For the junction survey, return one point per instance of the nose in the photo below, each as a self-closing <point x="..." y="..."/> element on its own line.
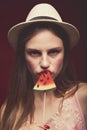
<point x="44" y="63"/>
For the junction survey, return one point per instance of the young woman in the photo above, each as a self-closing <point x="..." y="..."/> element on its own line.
<point x="42" y="44"/>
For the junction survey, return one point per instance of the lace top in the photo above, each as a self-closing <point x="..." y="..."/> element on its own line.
<point x="71" y="117"/>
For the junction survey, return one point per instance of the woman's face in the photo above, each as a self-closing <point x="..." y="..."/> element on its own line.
<point x="44" y="51"/>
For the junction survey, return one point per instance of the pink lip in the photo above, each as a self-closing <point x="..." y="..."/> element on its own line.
<point x="38" y="74"/>
<point x="45" y="71"/>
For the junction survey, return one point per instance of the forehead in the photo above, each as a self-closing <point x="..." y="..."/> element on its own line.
<point x="44" y="38"/>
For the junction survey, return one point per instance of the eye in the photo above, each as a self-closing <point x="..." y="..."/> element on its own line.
<point x="33" y="53"/>
<point x="54" y="52"/>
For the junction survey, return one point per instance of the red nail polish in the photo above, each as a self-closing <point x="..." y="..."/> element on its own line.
<point x="46" y="126"/>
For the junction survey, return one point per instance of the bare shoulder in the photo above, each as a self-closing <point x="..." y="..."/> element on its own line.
<point x="82" y="90"/>
<point x="82" y="93"/>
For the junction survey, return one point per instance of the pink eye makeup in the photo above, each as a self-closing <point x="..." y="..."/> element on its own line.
<point x="55" y="51"/>
<point x="33" y="52"/>
<point x="50" y="52"/>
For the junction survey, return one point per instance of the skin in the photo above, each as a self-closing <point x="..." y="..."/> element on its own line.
<point x="82" y="96"/>
<point x="44" y="51"/>
<point x="48" y="54"/>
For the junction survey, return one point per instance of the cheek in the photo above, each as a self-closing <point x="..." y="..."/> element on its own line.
<point x="30" y="64"/>
<point x="59" y="64"/>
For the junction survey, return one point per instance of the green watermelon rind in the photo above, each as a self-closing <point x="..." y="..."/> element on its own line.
<point x="45" y="87"/>
<point x="45" y="82"/>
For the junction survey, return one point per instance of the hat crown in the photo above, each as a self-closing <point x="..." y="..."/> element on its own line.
<point x="43" y="13"/>
<point x="43" y="10"/>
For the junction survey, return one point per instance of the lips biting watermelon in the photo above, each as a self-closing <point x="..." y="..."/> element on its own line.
<point x="45" y="82"/>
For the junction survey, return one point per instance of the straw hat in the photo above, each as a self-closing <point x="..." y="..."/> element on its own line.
<point x="43" y="13"/>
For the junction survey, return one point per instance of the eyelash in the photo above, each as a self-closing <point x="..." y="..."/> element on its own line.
<point x="54" y="51"/>
<point x="35" y="53"/>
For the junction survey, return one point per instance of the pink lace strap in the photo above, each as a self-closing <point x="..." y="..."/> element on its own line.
<point x="79" y="114"/>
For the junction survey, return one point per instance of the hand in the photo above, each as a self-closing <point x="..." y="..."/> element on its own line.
<point x="33" y="126"/>
<point x="36" y="126"/>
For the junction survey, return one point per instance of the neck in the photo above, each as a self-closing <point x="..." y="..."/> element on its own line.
<point x="50" y="96"/>
<point x="46" y="104"/>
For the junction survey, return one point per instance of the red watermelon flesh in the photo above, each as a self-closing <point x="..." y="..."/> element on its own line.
<point x="45" y="82"/>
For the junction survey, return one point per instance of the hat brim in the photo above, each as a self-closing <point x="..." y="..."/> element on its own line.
<point x="71" y="30"/>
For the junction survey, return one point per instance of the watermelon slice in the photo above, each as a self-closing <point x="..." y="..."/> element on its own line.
<point x="45" y="82"/>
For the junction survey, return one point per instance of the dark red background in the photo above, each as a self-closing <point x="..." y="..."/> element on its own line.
<point x="14" y="11"/>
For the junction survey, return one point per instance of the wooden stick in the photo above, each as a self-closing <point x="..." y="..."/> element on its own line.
<point x="44" y="106"/>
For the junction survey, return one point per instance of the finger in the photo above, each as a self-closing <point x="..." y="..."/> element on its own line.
<point x="42" y="127"/>
<point x="45" y="127"/>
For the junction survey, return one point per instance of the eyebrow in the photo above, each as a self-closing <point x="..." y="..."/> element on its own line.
<point x="33" y="49"/>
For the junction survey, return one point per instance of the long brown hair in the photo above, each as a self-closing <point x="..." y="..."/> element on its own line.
<point x="20" y="102"/>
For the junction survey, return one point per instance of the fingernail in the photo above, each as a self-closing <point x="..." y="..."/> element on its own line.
<point x="46" y="126"/>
